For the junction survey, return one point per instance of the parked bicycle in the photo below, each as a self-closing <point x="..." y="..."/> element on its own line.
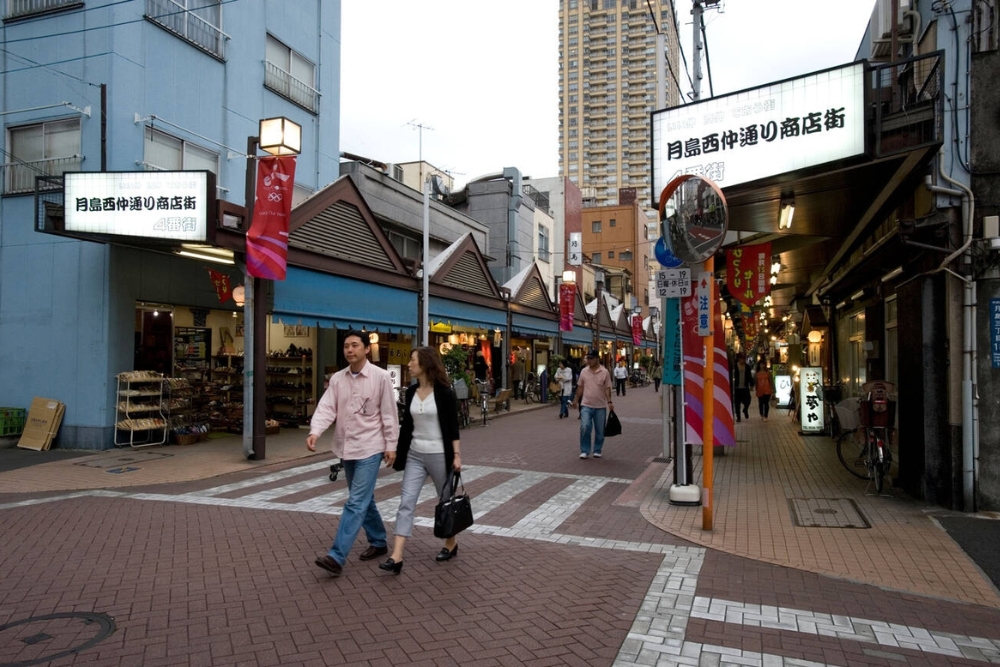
<point x="638" y="378"/>
<point x="484" y="389"/>
<point x="866" y="449"/>
<point x="532" y="393"/>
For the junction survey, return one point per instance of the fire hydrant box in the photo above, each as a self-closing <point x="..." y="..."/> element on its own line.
<point x="42" y="424"/>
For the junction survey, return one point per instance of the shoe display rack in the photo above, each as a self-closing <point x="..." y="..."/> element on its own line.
<point x="290" y="389"/>
<point x="139" y="421"/>
<point x="226" y="405"/>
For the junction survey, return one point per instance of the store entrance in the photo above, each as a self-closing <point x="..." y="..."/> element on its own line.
<point x="153" y="339"/>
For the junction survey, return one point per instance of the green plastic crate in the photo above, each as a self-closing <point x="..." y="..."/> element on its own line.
<point x="11" y="421"/>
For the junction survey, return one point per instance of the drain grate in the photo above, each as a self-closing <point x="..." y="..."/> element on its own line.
<point x="827" y="513"/>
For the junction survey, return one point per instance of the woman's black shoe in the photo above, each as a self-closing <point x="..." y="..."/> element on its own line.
<point x="389" y="565"/>
<point x="446" y="555"/>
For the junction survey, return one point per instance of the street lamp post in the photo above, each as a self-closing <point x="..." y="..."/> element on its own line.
<point x="276" y="136"/>
<point x="432" y="185"/>
<point x="599" y="283"/>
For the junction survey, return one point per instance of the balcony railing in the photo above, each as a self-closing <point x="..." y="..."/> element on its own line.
<point x="19" y="8"/>
<point x="19" y="177"/>
<point x="289" y="87"/>
<point x="908" y="103"/>
<point x="185" y="23"/>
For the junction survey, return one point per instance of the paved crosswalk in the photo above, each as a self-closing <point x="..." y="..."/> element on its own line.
<point x="658" y="633"/>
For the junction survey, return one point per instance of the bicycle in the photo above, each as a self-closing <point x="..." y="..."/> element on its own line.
<point x="531" y="393"/>
<point x="865" y="450"/>
<point x="483" y="388"/>
<point x="463" y="413"/>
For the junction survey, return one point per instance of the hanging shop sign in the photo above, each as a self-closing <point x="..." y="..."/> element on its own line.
<point x="575" y="255"/>
<point x="747" y="272"/>
<point x="155" y="205"/>
<point x="752" y="134"/>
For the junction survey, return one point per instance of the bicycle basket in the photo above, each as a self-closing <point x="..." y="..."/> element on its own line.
<point x="847" y="414"/>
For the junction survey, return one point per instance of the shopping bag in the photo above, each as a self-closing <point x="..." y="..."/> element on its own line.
<point x="453" y="513"/>
<point x="614" y="425"/>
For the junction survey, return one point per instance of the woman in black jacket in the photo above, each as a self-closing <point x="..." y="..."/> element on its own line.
<point x="428" y="446"/>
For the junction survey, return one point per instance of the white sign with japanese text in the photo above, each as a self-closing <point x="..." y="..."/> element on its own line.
<point x="704" y="299"/>
<point x="575" y="255"/>
<point x="811" y="399"/>
<point x="673" y="283"/>
<point x="152" y="204"/>
<point x="764" y="131"/>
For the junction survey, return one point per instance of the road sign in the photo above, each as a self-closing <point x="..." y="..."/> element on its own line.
<point x="673" y="283"/>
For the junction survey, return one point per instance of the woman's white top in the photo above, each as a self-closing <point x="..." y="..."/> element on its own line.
<point x="565" y="376"/>
<point x="427" y="437"/>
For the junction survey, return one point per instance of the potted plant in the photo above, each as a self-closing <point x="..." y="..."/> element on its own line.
<point x="455" y="362"/>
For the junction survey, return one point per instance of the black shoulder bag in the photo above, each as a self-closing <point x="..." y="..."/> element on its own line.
<point x="453" y="513"/>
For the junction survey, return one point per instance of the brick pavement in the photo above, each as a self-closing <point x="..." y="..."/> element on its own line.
<point x="561" y="568"/>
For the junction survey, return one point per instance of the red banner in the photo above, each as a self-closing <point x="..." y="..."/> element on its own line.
<point x="221" y="282"/>
<point x="637" y="330"/>
<point x="748" y="272"/>
<point x="267" y="240"/>
<point x="567" y="303"/>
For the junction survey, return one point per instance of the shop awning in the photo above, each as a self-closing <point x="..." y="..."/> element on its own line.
<point x="467" y="314"/>
<point x="579" y="336"/>
<point x="319" y="299"/>
<point x="526" y="324"/>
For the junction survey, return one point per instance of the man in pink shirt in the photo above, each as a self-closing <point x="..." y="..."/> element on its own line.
<point x="361" y="405"/>
<point x="593" y="393"/>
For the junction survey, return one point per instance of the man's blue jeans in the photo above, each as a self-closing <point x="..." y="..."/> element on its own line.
<point x="592" y="419"/>
<point x="360" y="511"/>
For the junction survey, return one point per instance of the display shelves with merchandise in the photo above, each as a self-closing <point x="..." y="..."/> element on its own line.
<point x="226" y="405"/>
<point x="191" y="354"/>
<point x="139" y="420"/>
<point x="290" y="389"/>
<point x="185" y="411"/>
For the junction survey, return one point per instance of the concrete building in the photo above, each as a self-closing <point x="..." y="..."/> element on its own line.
<point x="607" y="89"/>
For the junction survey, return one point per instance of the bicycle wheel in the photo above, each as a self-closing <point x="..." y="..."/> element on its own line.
<point x="852" y="451"/>
<point x="486" y="411"/>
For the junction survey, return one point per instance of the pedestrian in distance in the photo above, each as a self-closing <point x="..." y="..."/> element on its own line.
<point x="428" y="447"/>
<point x="621" y="375"/>
<point x="360" y="404"/>
<point x="656" y="374"/>
<point x="743" y="380"/>
<point x="517" y="374"/>
<point x="564" y="376"/>
<point x="593" y="393"/>
<point x="764" y="388"/>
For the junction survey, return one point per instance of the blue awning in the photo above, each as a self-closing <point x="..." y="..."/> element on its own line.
<point x="526" y="324"/>
<point x="579" y="336"/>
<point x="319" y="299"/>
<point x="466" y="314"/>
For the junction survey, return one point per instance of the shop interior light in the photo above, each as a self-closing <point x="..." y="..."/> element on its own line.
<point x="206" y="253"/>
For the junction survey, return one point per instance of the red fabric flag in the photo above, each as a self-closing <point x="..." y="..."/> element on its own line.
<point x="267" y="240"/>
<point x="748" y="272"/>
<point x="221" y="282"/>
<point x="637" y="330"/>
<point x="723" y="427"/>
<point x="567" y="298"/>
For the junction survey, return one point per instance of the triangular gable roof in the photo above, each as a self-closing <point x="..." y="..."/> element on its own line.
<point x="462" y="266"/>
<point x="580" y="313"/>
<point x="337" y="222"/>
<point x="527" y="288"/>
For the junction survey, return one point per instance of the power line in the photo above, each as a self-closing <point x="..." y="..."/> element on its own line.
<point x="680" y="44"/>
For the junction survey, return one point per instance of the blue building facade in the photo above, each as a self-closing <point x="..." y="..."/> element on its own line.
<point x="145" y="85"/>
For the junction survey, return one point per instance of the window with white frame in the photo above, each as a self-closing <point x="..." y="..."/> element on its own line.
<point x="163" y="152"/>
<point x="196" y="21"/>
<point x="291" y="75"/>
<point x="41" y="149"/>
<point x="543" y="243"/>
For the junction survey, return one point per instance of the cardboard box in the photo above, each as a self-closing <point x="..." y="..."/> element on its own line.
<point x="44" y="418"/>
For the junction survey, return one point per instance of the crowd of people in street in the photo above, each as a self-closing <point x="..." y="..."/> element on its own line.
<point x="745" y="379"/>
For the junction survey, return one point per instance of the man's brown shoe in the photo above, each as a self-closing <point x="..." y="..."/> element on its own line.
<point x="372" y="553"/>
<point x="330" y="565"/>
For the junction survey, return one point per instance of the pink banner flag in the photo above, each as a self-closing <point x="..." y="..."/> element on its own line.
<point x="567" y="301"/>
<point x="637" y="330"/>
<point x="267" y="240"/>
<point x="723" y="428"/>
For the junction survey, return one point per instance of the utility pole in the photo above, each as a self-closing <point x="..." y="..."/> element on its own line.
<point x="420" y="127"/>
<point x="698" y="48"/>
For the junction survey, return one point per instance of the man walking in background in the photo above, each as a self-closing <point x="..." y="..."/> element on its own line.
<point x="593" y="393"/>
<point x="621" y="375"/>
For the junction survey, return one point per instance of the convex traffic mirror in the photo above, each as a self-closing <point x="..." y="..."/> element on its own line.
<point x="693" y="218"/>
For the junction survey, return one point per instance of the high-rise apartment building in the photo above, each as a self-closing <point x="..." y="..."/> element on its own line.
<point x="607" y="89"/>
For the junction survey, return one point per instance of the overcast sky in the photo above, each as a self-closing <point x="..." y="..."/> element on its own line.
<point x="482" y="77"/>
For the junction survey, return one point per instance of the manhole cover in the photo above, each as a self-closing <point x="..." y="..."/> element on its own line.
<point x="119" y="460"/>
<point x="42" y="639"/>
<point x="827" y="513"/>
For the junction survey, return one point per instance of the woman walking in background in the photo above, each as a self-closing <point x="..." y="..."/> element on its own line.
<point x="564" y="376"/>
<point x="428" y="446"/>
<point x="764" y="388"/>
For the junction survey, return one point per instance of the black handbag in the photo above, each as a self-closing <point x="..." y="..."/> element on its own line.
<point x="614" y="425"/>
<point x="453" y="513"/>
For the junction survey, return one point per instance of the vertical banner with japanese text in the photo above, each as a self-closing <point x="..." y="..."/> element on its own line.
<point x="267" y="239"/>
<point x="637" y="330"/>
<point x="221" y="283"/>
<point x="723" y="427"/>
<point x="748" y="272"/>
<point x="567" y="299"/>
